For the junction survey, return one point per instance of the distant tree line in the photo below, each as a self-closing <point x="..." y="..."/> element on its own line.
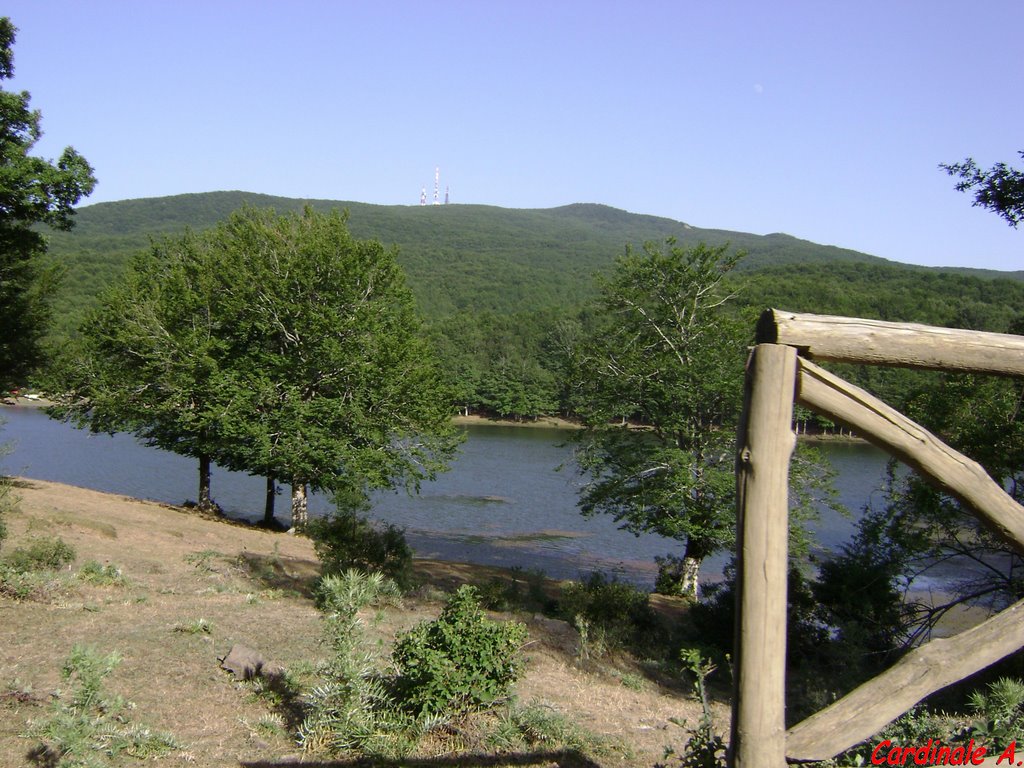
<point x="516" y="365"/>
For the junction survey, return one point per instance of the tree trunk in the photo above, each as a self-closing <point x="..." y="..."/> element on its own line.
<point x="300" y="514"/>
<point x="205" y="503"/>
<point x="688" y="577"/>
<point x="679" y="575"/>
<point x="268" y="508"/>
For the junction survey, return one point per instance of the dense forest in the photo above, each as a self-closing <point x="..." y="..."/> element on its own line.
<point x="458" y="257"/>
<point x="506" y="292"/>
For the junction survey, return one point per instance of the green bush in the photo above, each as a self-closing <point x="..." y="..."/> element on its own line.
<point x="345" y="540"/>
<point x="45" y="553"/>
<point x="613" y="613"/>
<point x="520" y="729"/>
<point x="26" y="572"/>
<point x="524" y="591"/>
<point x="460" y="662"/>
<point x="95" y="572"/>
<point x="24" y="585"/>
<point x="999" y="712"/>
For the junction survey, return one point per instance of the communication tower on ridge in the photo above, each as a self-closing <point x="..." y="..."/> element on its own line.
<point x="437" y="189"/>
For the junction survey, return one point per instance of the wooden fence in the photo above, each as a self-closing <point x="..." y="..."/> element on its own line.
<point x="780" y="372"/>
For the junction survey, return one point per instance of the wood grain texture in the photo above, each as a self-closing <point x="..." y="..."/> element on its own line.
<point x="765" y="444"/>
<point x="908" y="345"/>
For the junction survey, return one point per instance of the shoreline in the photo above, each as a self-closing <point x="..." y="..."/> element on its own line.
<point x="23" y="401"/>
<point x="472" y="420"/>
<point x="959" y="619"/>
<point x="541" y="422"/>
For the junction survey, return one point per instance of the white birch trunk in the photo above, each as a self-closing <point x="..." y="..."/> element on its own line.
<point x="300" y="512"/>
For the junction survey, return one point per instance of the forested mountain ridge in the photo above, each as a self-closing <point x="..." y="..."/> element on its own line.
<point x="457" y="257"/>
<point x="505" y="290"/>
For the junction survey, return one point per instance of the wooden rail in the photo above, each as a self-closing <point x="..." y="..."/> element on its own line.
<point x="874" y="342"/>
<point x="775" y="378"/>
<point x="912" y="444"/>
<point x="866" y="710"/>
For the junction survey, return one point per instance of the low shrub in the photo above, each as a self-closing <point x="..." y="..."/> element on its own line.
<point x="518" y="728"/>
<point x="194" y="627"/>
<point x="46" y="553"/>
<point x="94" y="572"/>
<point x="87" y="726"/>
<point x="25" y="585"/>
<point x="524" y="591"/>
<point x="994" y="719"/>
<point x="26" y="573"/>
<point x="612" y="613"/>
<point x="345" y="540"/>
<point x="998" y="712"/>
<point x="458" y="663"/>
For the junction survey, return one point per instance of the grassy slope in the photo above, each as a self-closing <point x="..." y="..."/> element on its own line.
<point x="252" y="587"/>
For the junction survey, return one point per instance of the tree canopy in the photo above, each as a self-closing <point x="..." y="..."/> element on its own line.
<point x="149" y="358"/>
<point x="275" y="345"/>
<point x="332" y="380"/>
<point x="999" y="189"/>
<point x="32" y="191"/>
<point x="666" y="358"/>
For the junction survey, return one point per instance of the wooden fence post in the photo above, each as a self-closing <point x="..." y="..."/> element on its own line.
<point x="765" y="444"/>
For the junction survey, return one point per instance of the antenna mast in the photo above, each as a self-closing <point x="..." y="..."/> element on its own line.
<point x="437" y="185"/>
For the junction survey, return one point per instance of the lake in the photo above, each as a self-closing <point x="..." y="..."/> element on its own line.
<point x="504" y="502"/>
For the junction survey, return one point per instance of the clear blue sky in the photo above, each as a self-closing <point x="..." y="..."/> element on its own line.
<point x="824" y="120"/>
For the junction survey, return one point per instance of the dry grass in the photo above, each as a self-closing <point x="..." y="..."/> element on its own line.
<point x="238" y="584"/>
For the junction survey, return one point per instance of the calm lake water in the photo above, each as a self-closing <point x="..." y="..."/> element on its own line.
<point x="504" y="502"/>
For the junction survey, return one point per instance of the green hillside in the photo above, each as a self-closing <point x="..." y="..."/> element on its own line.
<point x="458" y="257"/>
<point x="504" y="288"/>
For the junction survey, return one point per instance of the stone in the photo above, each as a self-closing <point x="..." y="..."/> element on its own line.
<point x="245" y="664"/>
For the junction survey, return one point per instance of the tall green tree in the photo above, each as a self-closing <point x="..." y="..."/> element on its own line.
<point x="658" y="386"/>
<point x="32" y="191"/>
<point x="332" y="380"/>
<point x="999" y="189"/>
<point x="275" y="345"/>
<point x="150" y="357"/>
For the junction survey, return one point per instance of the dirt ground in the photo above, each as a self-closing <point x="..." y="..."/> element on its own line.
<point x="252" y="587"/>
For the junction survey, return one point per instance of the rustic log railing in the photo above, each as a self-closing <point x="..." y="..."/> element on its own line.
<point x="780" y="372"/>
